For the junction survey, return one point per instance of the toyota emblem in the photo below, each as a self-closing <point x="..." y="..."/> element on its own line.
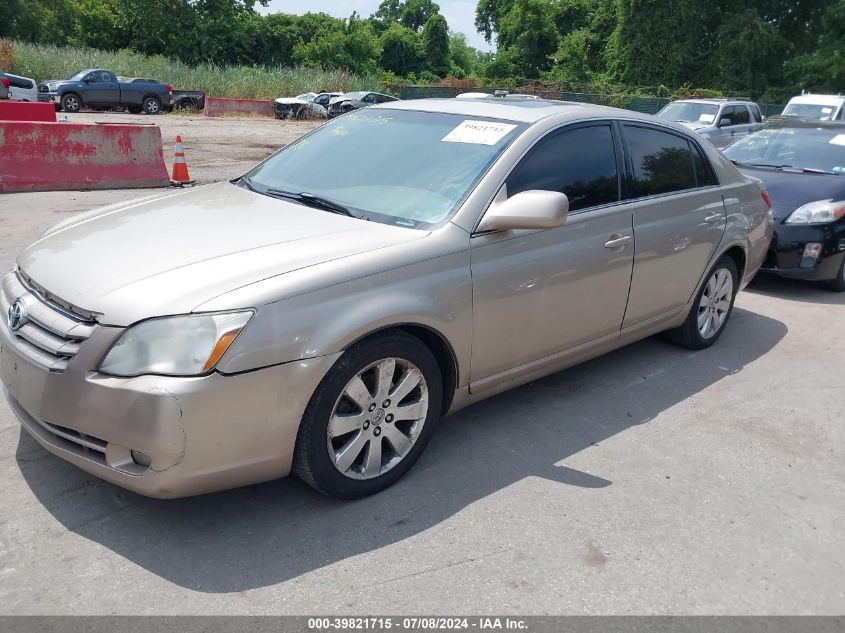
<point x="17" y="315"/>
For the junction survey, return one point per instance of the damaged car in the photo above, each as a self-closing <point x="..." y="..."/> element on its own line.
<point x="310" y="105"/>
<point x="355" y="101"/>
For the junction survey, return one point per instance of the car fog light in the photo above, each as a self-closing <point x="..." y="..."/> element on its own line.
<point x="841" y="246"/>
<point x="811" y="254"/>
<point x="141" y="459"/>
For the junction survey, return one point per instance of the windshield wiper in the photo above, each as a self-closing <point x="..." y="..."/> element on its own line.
<point x="810" y="170"/>
<point x="313" y="201"/>
<point x="768" y="165"/>
<point x="247" y="182"/>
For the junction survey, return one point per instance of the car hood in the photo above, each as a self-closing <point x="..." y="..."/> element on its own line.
<point x="695" y="125"/>
<point x="790" y="190"/>
<point x="290" y="100"/>
<point x="169" y="254"/>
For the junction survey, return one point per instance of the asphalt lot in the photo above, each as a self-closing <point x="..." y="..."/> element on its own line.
<point x="651" y="481"/>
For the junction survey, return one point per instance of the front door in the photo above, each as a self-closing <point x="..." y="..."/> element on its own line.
<point x="537" y="293"/>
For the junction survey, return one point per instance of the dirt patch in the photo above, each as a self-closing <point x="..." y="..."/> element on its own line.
<point x="216" y="148"/>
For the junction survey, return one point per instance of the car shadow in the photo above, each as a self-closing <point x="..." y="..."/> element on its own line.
<point x="265" y="534"/>
<point x="794" y="290"/>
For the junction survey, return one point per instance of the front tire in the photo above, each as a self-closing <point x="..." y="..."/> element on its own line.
<point x="370" y="418"/>
<point x="71" y="103"/>
<point x="711" y="309"/>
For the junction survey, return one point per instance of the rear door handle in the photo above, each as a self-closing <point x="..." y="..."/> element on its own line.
<point x="617" y="240"/>
<point x="715" y="218"/>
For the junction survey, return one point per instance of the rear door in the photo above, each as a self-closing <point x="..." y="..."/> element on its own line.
<point x="537" y="293"/>
<point x="679" y="219"/>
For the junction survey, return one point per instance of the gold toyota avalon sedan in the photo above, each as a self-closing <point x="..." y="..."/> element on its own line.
<point x="321" y="313"/>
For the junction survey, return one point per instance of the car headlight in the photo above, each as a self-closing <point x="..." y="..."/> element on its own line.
<point x="818" y="212"/>
<point x="174" y="346"/>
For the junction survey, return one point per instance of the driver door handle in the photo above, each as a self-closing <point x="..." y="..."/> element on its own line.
<point x="617" y="240"/>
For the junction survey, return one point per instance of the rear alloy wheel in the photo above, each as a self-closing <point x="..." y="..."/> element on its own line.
<point x="837" y="284"/>
<point x="152" y="105"/>
<point x="71" y="103"/>
<point x="370" y="418"/>
<point x="711" y="309"/>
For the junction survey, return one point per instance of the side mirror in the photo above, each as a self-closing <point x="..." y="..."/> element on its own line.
<point x="527" y="210"/>
<point x="89" y="80"/>
<point x="725" y="122"/>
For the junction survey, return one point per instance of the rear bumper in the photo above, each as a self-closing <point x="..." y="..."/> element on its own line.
<point x="198" y="434"/>
<point x="786" y="252"/>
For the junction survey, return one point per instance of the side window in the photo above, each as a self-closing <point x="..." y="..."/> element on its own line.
<point x="105" y="77"/>
<point x="742" y="116"/>
<point x="662" y="161"/>
<point x="368" y="99"/>
<point x="92" y="78"/>
<point x="704" y="175"/>
<point x="756" y="116"/>
<point x="579" y="162"/>
<point x="729" y="113"/>
<point x="20" y="82"/>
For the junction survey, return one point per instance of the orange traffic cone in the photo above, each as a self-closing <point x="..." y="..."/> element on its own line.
<point x="180" y="176"/>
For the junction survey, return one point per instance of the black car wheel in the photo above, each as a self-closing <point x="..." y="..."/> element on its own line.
<point x="71" y="103"/>
<point x="152" y="105"/>
<point x="370" y="418"/>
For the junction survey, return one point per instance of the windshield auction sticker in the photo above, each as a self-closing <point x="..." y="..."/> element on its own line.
<point x="479" y="133"/>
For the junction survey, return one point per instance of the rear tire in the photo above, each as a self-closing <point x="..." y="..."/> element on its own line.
<point x="354" y="446"/>
<point x="71" y="103"/>
<point x="711" y="309"/>
<point x="837" y="284"/>
<point x="152" y="106"/>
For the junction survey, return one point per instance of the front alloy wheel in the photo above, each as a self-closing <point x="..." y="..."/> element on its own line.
<point x="378" y="418"/>
<point x="371" y="417"/>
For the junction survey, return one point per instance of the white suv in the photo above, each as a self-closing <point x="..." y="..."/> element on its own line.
<point x="822" y="107"/>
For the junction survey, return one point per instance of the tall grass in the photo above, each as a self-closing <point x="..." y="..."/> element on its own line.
<point x="42" y="62"/>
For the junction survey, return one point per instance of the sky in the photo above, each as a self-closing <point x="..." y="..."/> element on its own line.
<point x="460" y="14"/>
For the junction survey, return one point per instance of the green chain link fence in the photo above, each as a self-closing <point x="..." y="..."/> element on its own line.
<point x="645" y="104"/>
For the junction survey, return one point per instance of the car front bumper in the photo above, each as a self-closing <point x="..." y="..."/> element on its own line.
<point x="198" y="434"/>
<point x="49" y="97"/>
<point x="786" y="252"/>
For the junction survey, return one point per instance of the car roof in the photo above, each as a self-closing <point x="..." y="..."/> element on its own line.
<point x="715" y="101"/>
<point x="831" y="100"/>
<point x="522" y="110"/>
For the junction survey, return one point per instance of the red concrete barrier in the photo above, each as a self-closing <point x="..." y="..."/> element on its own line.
<point x="221" y="107"/>
<point x="26" y="111"/>
<point x="62" y="156"/>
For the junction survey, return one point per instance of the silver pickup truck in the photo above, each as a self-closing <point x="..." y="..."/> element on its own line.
<point x="720" y="121"/>
<point x="101" y="89"/>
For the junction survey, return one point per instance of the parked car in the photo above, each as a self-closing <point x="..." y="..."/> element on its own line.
<point x="820" y="107"/>
<point x="4" y="85"/>
<point x="310" y="105"/>
<point x="802" y="164"/>
<point x="182" y="99"/>
<point x="720" y="121"/>
<point x="355" y="101"/>
<point x="100" y="88"/>
<point x="22" y="88"/>
<point x="319" y="313"/>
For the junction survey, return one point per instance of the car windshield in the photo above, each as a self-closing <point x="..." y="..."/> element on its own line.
<point x="308" y="96"/>
<point x="816" y="149"/>
<point x="810" y="110"/>
<point x="79" y="76"/>
<point x="393" y="166"/>
<point x="689" y="112"/>
<point x="354" y="96"/>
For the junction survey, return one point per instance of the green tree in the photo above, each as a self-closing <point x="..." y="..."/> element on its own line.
<point x="823" y="69"/>
<point x="463" y="57"/>
<point x="415" y="13"/>
<point x="401" y="51"/>
<point x="435" y="38"/>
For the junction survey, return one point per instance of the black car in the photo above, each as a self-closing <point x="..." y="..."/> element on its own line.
<point x="802" y="165"/>
<point x="355" y="101"/>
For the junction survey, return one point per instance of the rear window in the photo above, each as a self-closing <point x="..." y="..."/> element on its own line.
<point x="811" y="110"/>
<point x="662" y="162"/>
<point x="20" y="82"/>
